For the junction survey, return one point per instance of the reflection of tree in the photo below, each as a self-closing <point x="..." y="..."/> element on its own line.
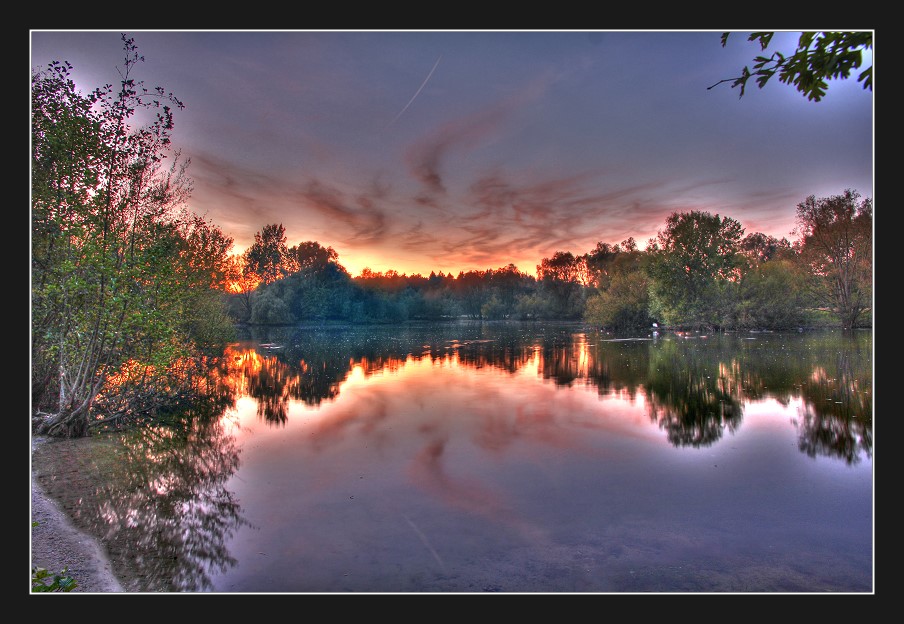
<point x="695" y="384"/>
<point x="309" y="364"/>
<point x="831" y="372"/>
<point x="696" y="387"/>
<point x="504" y="351"/>
<point x="688" y="397"/>
<point x="267" y="384"/>
<point x="615" y="366"/>
<point x="832" y="436"/>
<point x="289" y="367"/>
<point x="561" y="363"/>
<point x="310" y="373"/>
<point x="836" y="419"/>
<point x="161" y="504"/>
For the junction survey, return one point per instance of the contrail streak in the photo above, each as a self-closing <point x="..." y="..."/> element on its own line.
<point x="425" y="542"/>
<point x="416" y="93"/>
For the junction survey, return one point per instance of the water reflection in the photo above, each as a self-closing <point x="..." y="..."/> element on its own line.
<point x="159" y="503"/>
<point x="480" y="457"/>
<point x="693" y="396"/>
<point x="695" y="386"/>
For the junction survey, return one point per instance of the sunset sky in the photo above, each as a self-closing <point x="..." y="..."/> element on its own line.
<point x="447" y="151"/>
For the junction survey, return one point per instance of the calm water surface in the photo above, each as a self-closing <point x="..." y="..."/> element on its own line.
<point x="471" y="457"/>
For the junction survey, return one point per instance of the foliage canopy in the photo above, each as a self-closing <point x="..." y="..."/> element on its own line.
<point x="819" y="57"/>
<point x="124" y="277"/>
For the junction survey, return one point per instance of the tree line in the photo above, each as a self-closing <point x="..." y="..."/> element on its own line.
<point x="700" y="272"/>
<point x="130" y="290"/>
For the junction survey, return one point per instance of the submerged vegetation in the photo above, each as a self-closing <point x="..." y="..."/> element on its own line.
<point x="131" y="293"/>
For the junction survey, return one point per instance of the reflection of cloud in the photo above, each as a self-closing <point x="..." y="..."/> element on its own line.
<point x="343" y="422"/>
<point x="425" y="541"/>
<point x="427" y="471"/>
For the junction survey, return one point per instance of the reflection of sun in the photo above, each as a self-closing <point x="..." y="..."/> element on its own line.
<point x="532" y="366"/>
<point x="356" y="377"/>
<point x="244" y="359"/>
<point x="583" y="355"/>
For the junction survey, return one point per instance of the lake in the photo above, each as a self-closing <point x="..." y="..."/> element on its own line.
<point x="475" y="457"/>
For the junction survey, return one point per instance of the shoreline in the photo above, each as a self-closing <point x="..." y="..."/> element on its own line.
<point x="56" y="543"/>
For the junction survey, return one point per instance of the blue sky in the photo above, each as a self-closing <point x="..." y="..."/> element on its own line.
<point x="456" y="150"/>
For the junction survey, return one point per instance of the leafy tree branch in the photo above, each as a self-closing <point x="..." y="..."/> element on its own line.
<point x="819" y="57"/>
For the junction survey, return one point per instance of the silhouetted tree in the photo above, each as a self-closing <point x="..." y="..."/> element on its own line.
<point x="308" y="254"/>
<point x="771" y="296"/>
<point x="268" y="257"/>
<point x="241" y="284"/>
<point x="562" y="280"/>
<point x="622" y="301"/>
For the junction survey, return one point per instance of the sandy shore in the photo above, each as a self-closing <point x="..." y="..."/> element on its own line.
<point x="57" y="544"/>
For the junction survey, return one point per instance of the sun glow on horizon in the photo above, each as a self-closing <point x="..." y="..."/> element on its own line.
<point x="355" y="264"/>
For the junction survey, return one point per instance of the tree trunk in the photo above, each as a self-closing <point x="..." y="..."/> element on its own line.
<point x="71" y="421"/>
<point x="65" y="424"/>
